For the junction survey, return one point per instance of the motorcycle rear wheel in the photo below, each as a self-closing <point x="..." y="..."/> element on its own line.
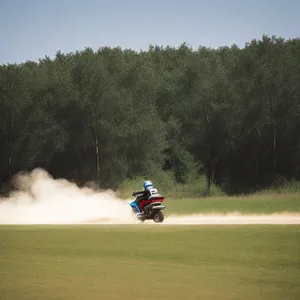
<point x="158" y="217"/>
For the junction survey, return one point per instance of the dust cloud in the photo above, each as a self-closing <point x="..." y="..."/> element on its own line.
<point x="40" y="199"/>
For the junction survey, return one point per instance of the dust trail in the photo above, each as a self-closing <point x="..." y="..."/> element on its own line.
<point x="40" y="199"/>
<point x="213" y="219"/>
<point x="234" y="219"/>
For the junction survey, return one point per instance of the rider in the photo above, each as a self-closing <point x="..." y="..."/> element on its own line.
<point x="145" y="194"/>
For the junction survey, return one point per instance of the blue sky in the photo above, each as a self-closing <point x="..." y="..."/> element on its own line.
<point x="31" y="29"/>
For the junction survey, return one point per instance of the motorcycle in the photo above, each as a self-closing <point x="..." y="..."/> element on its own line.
<point x="151" y="208"/>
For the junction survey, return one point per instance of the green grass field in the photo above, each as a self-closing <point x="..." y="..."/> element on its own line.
<point x="258" y="204"/>
<point x="149" y="262"/>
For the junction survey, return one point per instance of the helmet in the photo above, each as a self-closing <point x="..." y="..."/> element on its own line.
<point x="148" y="184"/>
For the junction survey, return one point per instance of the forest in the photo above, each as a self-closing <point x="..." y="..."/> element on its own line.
<point x="230" y="114"/>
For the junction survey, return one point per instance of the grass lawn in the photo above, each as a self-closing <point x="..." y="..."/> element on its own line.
<point x="149" y="262"/>
<point x="266" y="204"/>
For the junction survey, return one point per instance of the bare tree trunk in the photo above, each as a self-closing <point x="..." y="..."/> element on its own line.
<point x="9" y="162"/>
<point x="210" y="166"/>
<point x="274" y="147"/>
<point x="98" y="161"/>
<point x="212" y="173"/>
<point x="208" y="175"/>
<point x="7" y="138"/>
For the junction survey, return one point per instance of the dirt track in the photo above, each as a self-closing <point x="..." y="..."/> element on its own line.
<point x="232" y="219"/>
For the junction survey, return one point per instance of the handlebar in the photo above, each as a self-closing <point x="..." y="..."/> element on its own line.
<point x="136" y="193"/>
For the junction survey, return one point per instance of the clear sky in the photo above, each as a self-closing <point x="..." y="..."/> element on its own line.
<point x="31" y="29"/>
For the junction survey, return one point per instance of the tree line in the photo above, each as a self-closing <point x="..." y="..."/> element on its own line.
<point x="230" y="113"/>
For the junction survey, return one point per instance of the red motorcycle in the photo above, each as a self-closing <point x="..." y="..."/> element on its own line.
<point x="148" y="208"/>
